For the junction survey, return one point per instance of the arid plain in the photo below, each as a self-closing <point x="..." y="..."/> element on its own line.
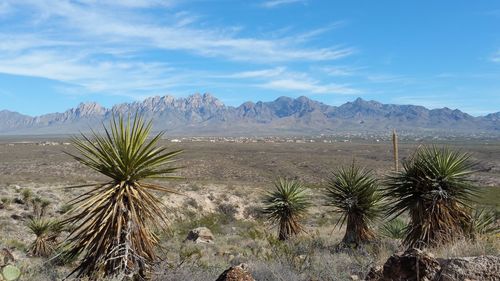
<point x="222" y="185"/>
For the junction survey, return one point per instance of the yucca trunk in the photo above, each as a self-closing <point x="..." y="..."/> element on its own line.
<point x="357" y="231"/>
<point x="118" y="240"/>
<point x="288" y="228"/>
<point x="434" y="223"/>
<point x="41" y="247"/>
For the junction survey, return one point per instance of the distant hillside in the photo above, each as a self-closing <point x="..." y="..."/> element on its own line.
<point x="206" y="115"/>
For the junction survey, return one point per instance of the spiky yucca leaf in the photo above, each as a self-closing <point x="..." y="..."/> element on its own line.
<point x="484" y="222"/>
<point x="112" y="223"/>
<point x="46" y="232"/>
<point x="435" y="189"/>
<point x="353" y="193"/>
<point x="395" y="229"/>
<point x="286" y="206"/>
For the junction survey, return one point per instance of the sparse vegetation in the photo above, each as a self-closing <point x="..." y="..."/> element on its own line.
<point x="6" y="201"/>
<point x="221" y="195"/>
<point x="286" y="206"/>
<point x="65" y="208"/>
<point x="27" y="195"/>
<point x="39" y="206"/>
<point x="353" y="193"/>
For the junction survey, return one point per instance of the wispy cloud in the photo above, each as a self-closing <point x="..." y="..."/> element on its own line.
<point x="104" y="46"/>
<point x="341" y="70"/>
<point x="263" y="73"/>
<point x="388" y="78"/>
<point x="132" y="3"/>
<point x="276" y="3"/>
<point x="114" y="27"/>
<point x="309" y="86"/>
<point x="283" y="79"/>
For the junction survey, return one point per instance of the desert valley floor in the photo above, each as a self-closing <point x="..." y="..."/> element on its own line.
<point x="221" y="178"/>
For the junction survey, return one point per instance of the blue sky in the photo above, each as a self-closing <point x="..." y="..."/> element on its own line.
<point x="56" y="54"/>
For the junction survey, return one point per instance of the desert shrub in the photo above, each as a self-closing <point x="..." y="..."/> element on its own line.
<point x="394" y="229"/>
<point x="213" y="221"/>
<point x="286" y="206"/>
<point x="65" y="208"/>
<point x="271" y="271"/>
<point x="15" y="244"/>
<point x="254" y="212"/>
<point x="192" y="202"/>
<point x="39" y="206"/>
<point x="435" y="189"/>
<point x="6" y="201"/>
<point x="46" y="232"/>
<point x="354" y="194"/>
<point x="114" y="221"/>
<point x="228" y="211"/>
<point x="27" y="195"/>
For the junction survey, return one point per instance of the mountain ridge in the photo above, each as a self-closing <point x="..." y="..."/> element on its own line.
<point x="206" y="115"/>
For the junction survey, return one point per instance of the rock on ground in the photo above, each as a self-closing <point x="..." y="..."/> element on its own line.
<point x="236" y="273"/>
<point x="200" y="235"/>
<point x="416" y="265"/>
<point x="485" y="268"/>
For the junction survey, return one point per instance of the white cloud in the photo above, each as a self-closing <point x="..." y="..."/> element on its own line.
<point x="100" y="46"/>
<point x="264" y="73"/>
<point x="388" y="78"/>
<point x="282" y="79"/>
<point x="276" y="3"/>
<point x="108" y="26"/>
<point x="309" y="86"/>
<point x="131" y="3"/>
<point x="340" y="70"/>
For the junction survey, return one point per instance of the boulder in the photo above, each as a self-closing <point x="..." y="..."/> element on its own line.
<point x="236" y="273"/>
<point x="200" y="235"/>
<point x="485" y="268"/>
<point x="412" y="265"/>
<point x="416" y="265"/>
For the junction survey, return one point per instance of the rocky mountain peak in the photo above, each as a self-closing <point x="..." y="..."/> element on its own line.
<point x="211" y="100"/>
<point x="88" y="109"/>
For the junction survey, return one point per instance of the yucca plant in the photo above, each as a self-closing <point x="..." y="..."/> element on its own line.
<point x="286" y="206"/>
<point x="353" y="193"/>
<point x="113" y="222"/>
<point x="483" y="222"/>
<point x="40" y="206"/>
<point x="46" y="232"/>
<point x="395" y="229"/>
<point x="435" y="189"/>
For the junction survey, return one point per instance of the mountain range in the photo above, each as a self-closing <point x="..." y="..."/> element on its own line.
<point x="206" y="115"/>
